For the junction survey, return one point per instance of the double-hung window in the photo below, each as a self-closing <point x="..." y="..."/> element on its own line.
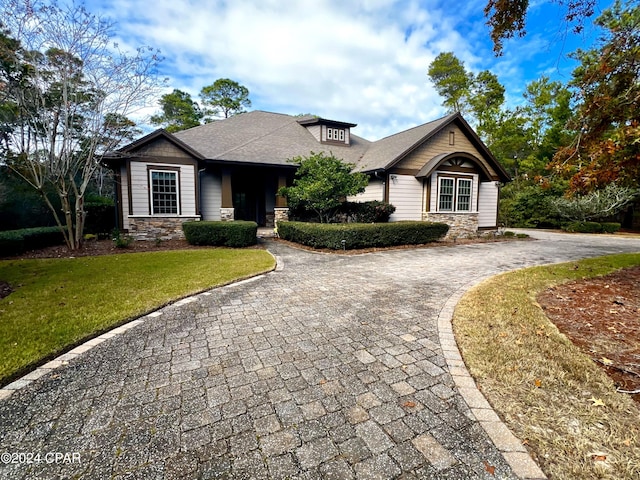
<point x="164" y="192"/>
<point x="454" y="194"/>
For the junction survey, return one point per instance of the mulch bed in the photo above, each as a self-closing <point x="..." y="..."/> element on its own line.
<point x="602" y="317"/>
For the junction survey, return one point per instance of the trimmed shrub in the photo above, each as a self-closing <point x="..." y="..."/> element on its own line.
<point x="234" y="234"/>
<point x="610" y="227"/>
<point x="361" y="235"/>
<point x="584" y="227"/>
<point x="101" y="216"/>
<point x="14" y="242"/>
<point x="367" y="212"/>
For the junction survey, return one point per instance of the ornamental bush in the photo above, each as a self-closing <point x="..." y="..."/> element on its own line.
<point x="234" y="234"/>
<point x="14" y="242"/>
<point x="583" y="227"/>
<point x="361" y="235"/>
<point x="610" y="227"/>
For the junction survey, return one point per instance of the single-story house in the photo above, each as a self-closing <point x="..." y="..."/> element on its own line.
<point x="232" y="169"/>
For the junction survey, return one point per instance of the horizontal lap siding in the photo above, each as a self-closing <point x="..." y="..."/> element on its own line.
<point x="374" y="191"/>
<point x="405" y="193"/>
<point x="211" y="196"/>
<point x="488" y="205"/>
<point x="140" y="187"/>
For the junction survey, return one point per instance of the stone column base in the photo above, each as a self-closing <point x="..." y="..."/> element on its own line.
<point x="281" y="214"/>
<point x="461" y="225"/>
<point x="227" y="214"/>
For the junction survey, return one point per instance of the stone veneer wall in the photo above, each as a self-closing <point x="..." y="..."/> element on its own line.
<point x="461" y="225"/>
<point x="163" y="228"/>
<point x="227" y="214"/>
<point x="281" y="214"/>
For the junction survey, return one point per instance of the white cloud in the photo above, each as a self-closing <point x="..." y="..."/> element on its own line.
<point x="360" y="61"/>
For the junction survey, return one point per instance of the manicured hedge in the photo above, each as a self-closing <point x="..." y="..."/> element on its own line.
<point x="592" y="227"/>
<point x="610" y="227"/>
<point x="14" y="242"/>
<point x="229" y="234"/>
<point x="361" y="235"/>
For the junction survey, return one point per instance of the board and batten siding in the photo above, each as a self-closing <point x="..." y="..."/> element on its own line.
<point x="140" y="195"/>
<point x="373" y="191"/>
<point x="488" y="205"/>
<point x="211" y="196"/>
<point x="405" y="193"/>
<point x="439" y="144"/>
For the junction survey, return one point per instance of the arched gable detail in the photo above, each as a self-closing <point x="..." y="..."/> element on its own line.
<point x="440" y="160"/>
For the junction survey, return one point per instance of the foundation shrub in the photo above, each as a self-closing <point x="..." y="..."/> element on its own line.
<point x="584" y="227"/>
<point x="361" y="235"/>
<point x="234" y="234"/>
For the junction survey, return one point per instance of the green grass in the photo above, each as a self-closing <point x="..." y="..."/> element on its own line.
<point x="540" y="384"/>
<point x="57" y="303"/>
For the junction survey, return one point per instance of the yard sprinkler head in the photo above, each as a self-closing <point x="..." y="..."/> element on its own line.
<point x="343" y="242"/>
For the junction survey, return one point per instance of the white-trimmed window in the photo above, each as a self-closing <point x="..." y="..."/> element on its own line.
<point x="454" y="194"/>
<point x="463" y="201"/>
<point x="165" y="198"/>
<point x="335" y="134"/>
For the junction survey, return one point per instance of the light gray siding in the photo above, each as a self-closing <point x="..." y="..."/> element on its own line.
<point x="488" y="204"/>
<point x="405" y="193"/>
<point x="211" y="193"/>
<point x="140" y="187"/>
<point x="315" y="131"/>
<point x="374" y="191"/>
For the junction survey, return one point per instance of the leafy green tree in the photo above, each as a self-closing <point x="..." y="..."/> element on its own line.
<point x="224" y="98"/>
<point x="61" y="86"/>
<point x="486" y="99"/>
<point x="179" y="112"/>
<point x="451" y="81"/>
<point x="606" y="145"/>
<point x="322" y="184"/>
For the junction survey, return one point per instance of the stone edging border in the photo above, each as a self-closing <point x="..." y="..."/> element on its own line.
<point x="505" y="441"/>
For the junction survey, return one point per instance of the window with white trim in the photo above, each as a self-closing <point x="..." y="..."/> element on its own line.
<point x="164" y="192"/>
<point x="454" y="194"/>
<point x="335" y="134"/>
<point x="463" y="202"/>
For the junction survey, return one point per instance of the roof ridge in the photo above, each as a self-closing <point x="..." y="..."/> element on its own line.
<point x="417" y="126"/>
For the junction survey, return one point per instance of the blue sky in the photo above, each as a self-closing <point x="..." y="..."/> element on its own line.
<point x="360" y="61"/>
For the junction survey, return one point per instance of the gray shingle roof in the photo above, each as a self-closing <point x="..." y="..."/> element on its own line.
<point x="267" y="138"/>
<point x="389" y="150"/>
<point x="263" y="137"/>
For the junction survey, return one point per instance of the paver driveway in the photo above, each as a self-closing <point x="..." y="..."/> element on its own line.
<point x="328" y="367"/>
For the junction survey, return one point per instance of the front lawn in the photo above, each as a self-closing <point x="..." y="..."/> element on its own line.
<point x="57" y="303"/>
<point x="549" y="393"/>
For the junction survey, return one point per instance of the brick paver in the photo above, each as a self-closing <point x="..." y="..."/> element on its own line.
<point x="329" y="367"/>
